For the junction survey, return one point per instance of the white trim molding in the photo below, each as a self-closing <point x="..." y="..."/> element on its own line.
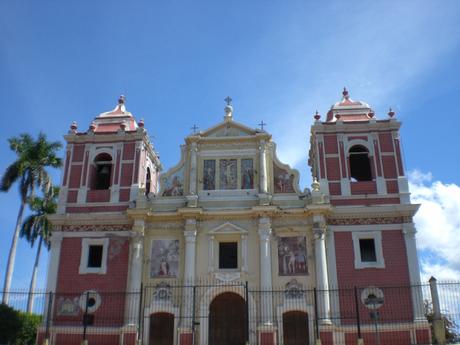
<point x="370" y="235"/>
<point x="85" y="244"/>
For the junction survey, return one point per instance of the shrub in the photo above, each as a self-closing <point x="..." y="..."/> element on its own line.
<point x="10" y="324"/>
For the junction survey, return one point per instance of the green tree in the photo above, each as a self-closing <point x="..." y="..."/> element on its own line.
<point x="10" y="324"/>
<point x="29" y="170"/>
<point x="28" y="332"/>
<point x="37" y="226"/>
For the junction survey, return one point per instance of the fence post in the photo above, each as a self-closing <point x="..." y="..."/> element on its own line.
<point x="246" y="292"/>
<point x="139" y="317"/>
<point x="193" y="314"/>
<point x="85" y="320"/>
<point x="439" y="329"/>
<point x="318" y="339"/>
<point x="358" y="319"/>
<point x="48" y="316"/>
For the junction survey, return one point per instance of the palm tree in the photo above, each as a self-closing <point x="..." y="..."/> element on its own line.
<point x="38" y="226"/>
<point x="33" y="156"/>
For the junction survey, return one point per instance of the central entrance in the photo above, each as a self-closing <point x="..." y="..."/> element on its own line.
<point x="161" y="329"/>
<point x="295" y="328"/>
<point x="227" y="320"/>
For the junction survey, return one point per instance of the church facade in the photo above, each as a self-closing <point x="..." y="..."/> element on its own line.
<point x="175" y="257"/>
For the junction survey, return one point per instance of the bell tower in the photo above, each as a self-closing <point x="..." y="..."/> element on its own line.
<point x="106" y="165"/>
<point x="357" y="158"/>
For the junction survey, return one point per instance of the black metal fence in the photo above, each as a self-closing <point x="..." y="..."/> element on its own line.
<point x="216" y="312"/>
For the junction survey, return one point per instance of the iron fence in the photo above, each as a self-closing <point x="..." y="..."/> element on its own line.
<point x="216" y="312"/>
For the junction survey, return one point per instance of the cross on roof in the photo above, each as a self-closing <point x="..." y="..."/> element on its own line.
<point x="262" y="124"/>
<point x="229" y="100"/>
<point x="194" y="129"/>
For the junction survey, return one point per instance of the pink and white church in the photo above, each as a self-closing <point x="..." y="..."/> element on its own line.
<point x="230" y="213"/>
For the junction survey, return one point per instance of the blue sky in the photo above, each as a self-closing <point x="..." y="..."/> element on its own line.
<point x="280" y="61"/>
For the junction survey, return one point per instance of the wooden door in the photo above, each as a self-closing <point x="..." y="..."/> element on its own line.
<point x="227" y="321"/>
<point x="295" y="328"/>
<point x="161" y="329"/>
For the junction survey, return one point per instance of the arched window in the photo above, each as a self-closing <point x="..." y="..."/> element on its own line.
<point x="103" y="171"/>
<point x="360" y="165"/>
<point x="148" y="181"/>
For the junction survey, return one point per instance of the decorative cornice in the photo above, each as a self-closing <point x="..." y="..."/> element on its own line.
<point x="96" y="227"/>
<point x="369" y="221"/>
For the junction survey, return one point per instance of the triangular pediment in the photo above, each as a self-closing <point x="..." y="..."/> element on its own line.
<point x="228" y="228"/>
<point x="229" y="129"/>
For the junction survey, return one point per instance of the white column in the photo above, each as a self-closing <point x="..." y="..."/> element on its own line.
<point x="322" y="283"/>
<point x="211" y="253"/>
<point x="135" y="278"/>
<point x="414" y="270"/>
<point x="189" y="272"/>
<point x="263" y="167"/>
<point x="193" y="164"/>
<point x="266" y="270"/>
<point x="244" y="252"/>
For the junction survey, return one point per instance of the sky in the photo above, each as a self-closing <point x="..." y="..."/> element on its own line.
<point x="280" y="61"/>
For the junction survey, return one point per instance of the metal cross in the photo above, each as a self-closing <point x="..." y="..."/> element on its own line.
<point x="228" y="100"/>
<point x="262" y="124"/>
<point x="194" y="129"/>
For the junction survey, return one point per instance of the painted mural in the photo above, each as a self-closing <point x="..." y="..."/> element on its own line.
<point x="209" y="174"/>
<point x="283" y="180"/>
<point x="174" y="184"/>
<point x="247" y="174"/>
<point x="164" y="259"/>
<point x="228" y="173"/>
<point x="292" y="256"/>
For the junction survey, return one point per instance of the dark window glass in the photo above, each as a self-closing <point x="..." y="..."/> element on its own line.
<point x="360" y="165"/>
<point x="367" y="249"/>
<point x="95" y="256"/>
<point x="228" y="255"/>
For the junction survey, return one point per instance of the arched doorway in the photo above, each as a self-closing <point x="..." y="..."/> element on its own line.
<point x="161" y="329"/>
<point x="227" y="320"/>
<point x="295" y="328"/>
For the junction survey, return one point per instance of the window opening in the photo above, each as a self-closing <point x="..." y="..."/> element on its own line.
<point x="360" y="166"/>
<point x="95" y="256"/>
<point x="367" y="250"/>
<point x="228" y="255"/>
<point x="148" y="179"/>
<point x="103" y="164"/>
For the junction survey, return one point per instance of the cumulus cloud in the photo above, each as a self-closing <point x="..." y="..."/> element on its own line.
<point x="438" y="225"/>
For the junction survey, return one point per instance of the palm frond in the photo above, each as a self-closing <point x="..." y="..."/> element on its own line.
<point x="10" y="176"/>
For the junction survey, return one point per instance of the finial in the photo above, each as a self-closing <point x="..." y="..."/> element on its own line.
<point x="73" y="127"/>
<point x="371" y="114"/>
<point x="345" y="93"/>
<point x="391" y="113"/>
<point x="92" y="126"/>
<point x="337" y="116"/>
<point x="315" y="185"/>
<point x="228" y="108"/>
<point x="262" y="124"/>
<point x="194" y="129"/>
<point x="121" y="99"/>
<point x="317" y="116"/>
<point x="123" y="126"/>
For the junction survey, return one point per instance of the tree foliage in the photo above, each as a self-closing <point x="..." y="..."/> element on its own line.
<point x="10" y="324"/>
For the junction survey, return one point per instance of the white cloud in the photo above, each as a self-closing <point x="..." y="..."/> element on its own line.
<point x="438" y="225"/>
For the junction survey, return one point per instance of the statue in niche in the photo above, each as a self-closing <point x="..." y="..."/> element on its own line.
<point x="209" y="174"/>
<point x="283" y="180"/>
<point x="292" y="256"/>
<point x="174" y="185"/>
<point x="247" y="174"/>
<point x="228" y="174"/>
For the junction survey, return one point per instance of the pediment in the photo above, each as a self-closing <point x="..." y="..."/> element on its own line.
<point x="228" y="228"/>
<point x="229" y="129"/>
